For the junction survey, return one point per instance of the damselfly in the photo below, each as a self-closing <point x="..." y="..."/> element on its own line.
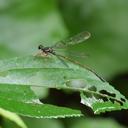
<point x="79" y="38"/>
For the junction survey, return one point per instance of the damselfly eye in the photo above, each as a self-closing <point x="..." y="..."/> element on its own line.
<point x="40" y="47"/>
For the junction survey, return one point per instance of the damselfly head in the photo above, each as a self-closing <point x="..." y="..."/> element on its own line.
<point x="40" y="47"/>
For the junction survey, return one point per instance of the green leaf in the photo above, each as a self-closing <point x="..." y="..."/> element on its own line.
<point x="13" y="117"/>
<point x="21" y="100"/>
<point x="19" y="75"/>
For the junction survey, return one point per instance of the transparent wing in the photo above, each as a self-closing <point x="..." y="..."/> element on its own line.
<point x="76" y="54"/>
<point x="79" y="38"/>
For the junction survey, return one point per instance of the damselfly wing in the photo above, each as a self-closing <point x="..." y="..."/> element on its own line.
<point x="79" y="38"/>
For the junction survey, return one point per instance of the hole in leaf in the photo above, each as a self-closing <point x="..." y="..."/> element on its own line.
<point x="119" y="102"/>
<point x="63" y="98"/>
<point x="104" y="99"/>
<point x="87" y="111"/>
<point x="122" y="99"/>
<point x="114" y="101"/>
<point x="107" y="93"/>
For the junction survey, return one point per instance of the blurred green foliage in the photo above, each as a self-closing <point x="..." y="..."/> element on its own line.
<point x="97" y="123"/>
<point x="24" y="24"/>
<point x="107" y="21"/>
